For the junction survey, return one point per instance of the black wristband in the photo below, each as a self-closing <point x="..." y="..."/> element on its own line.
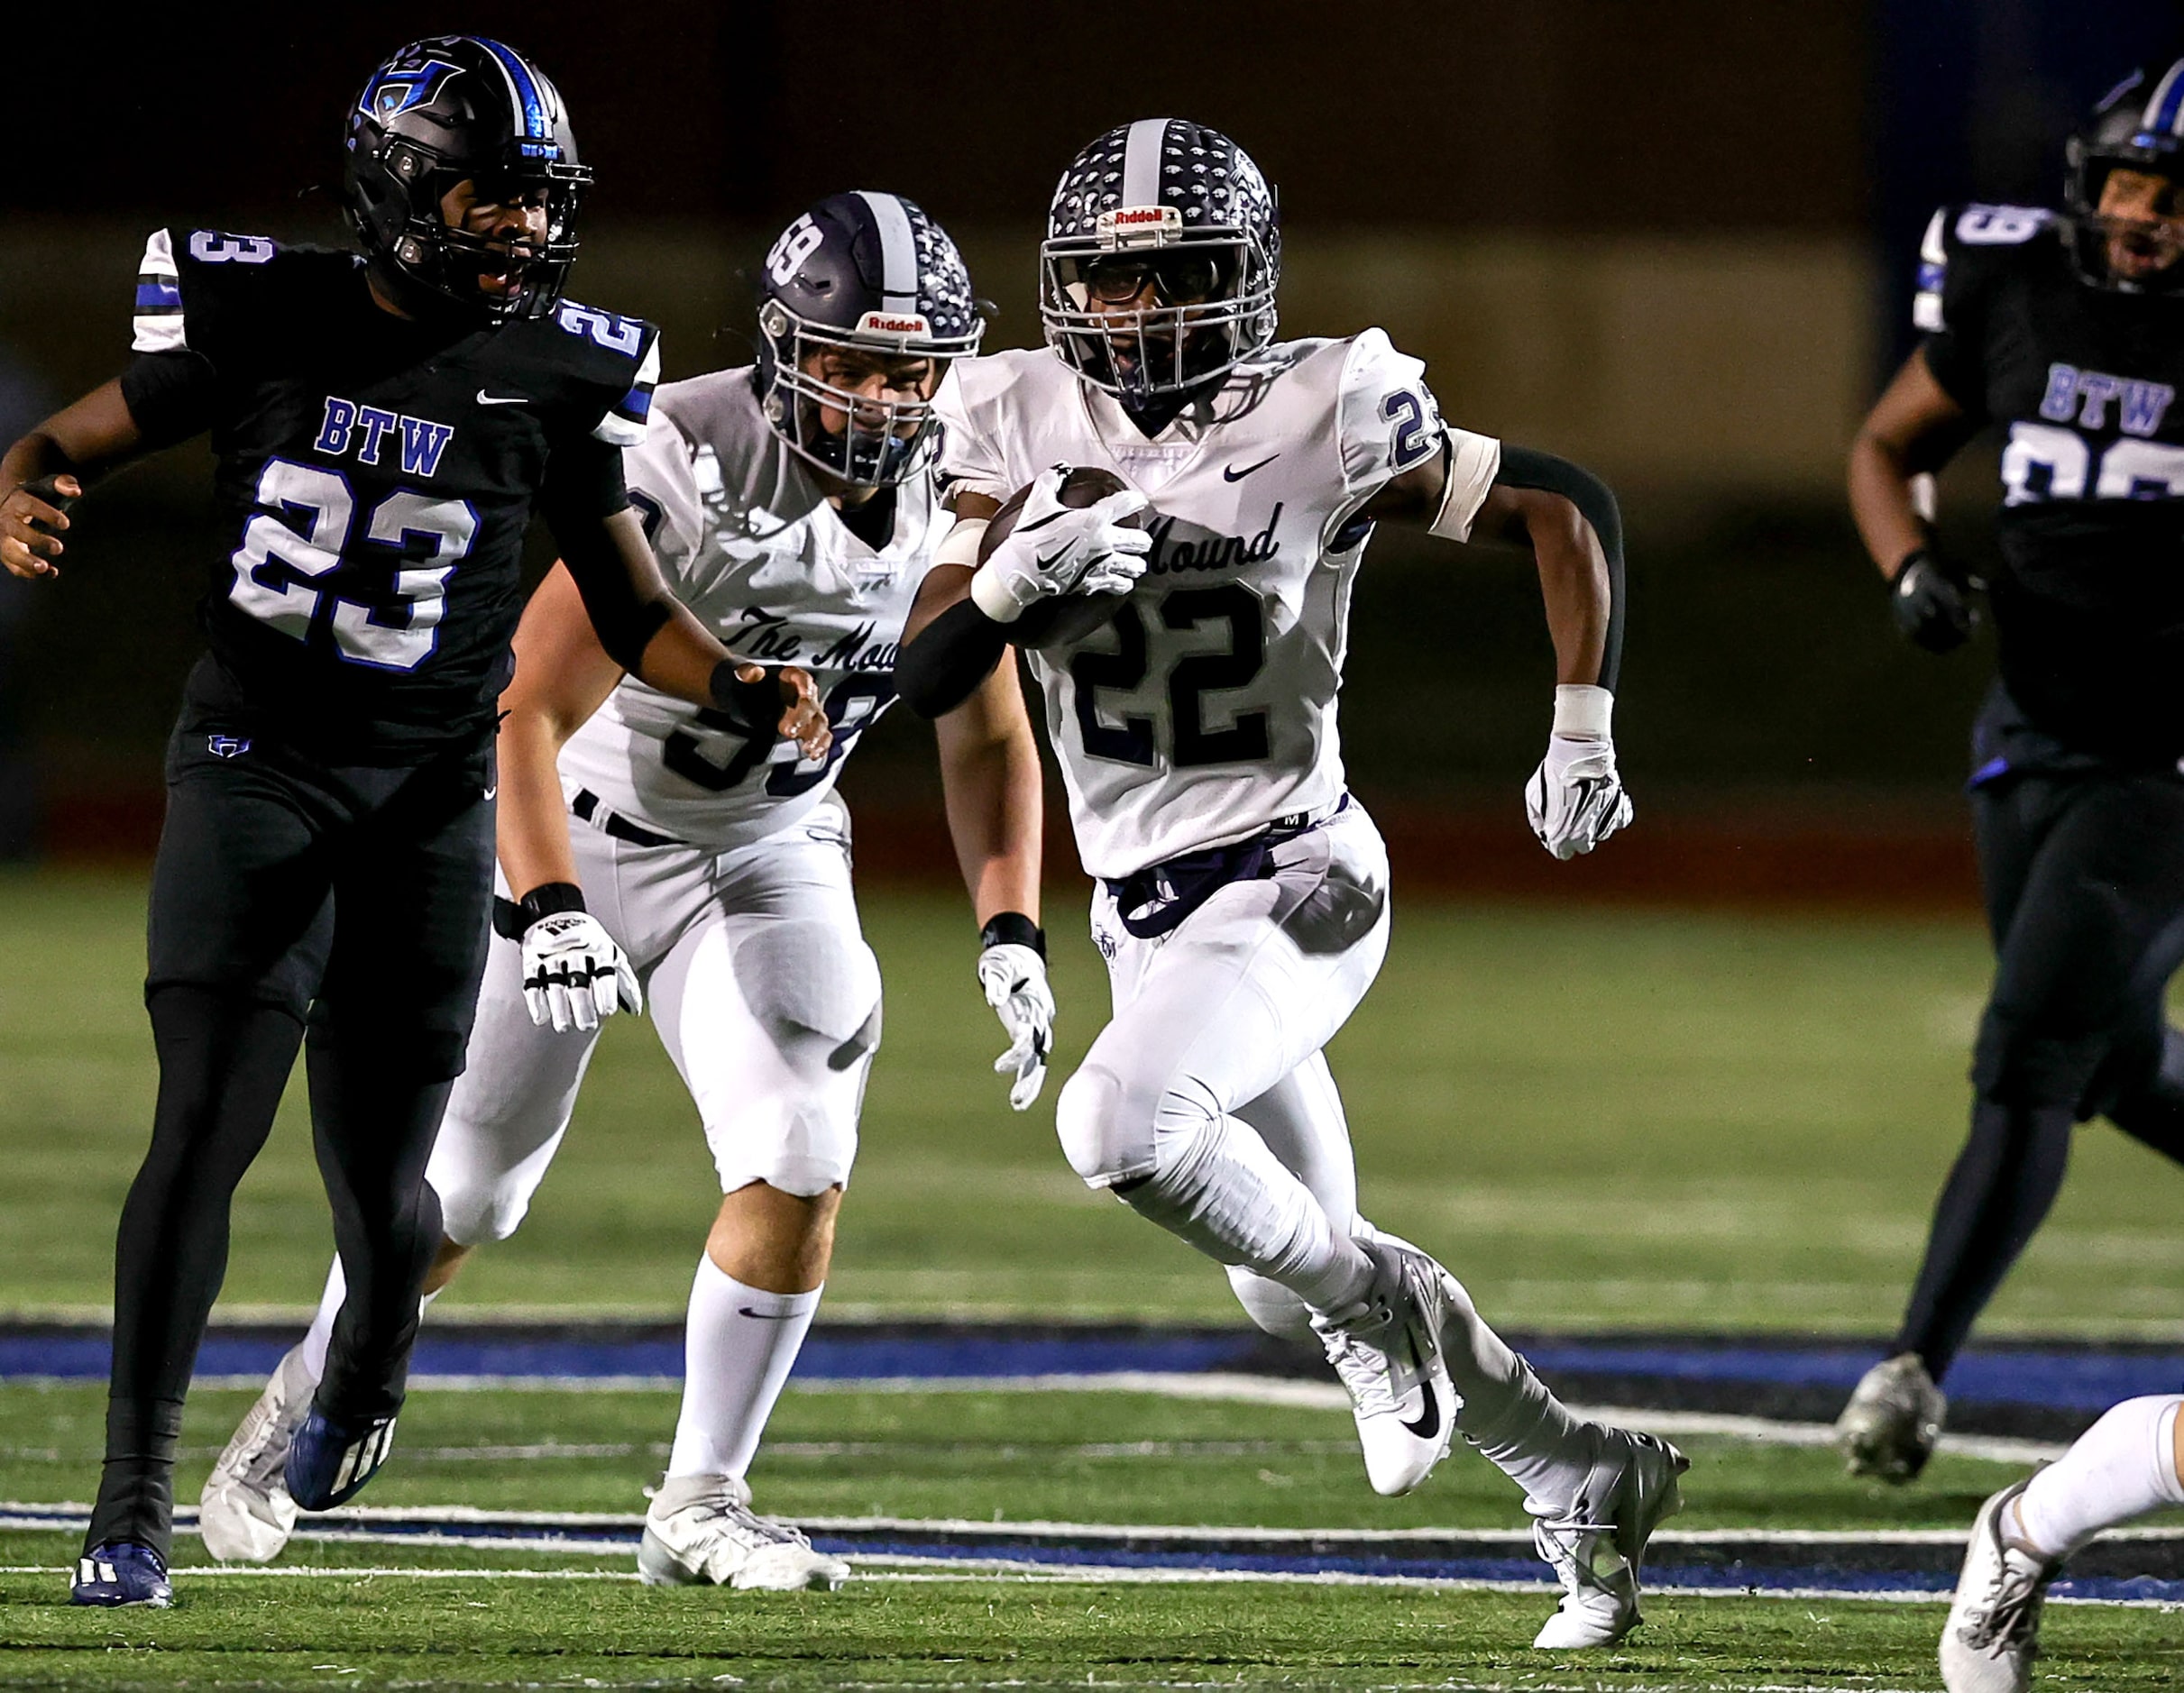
<point x="549" y="899"/>
<point x="1912" y="560"/>
<point x="1013" y="929"/>
<point x="755" y="704"/>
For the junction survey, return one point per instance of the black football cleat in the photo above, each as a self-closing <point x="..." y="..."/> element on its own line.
<point x="116" y="1572"/>
<point x="330" y="1462"/>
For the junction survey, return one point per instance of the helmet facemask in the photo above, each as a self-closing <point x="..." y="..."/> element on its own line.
<point x="1210" y="305"/>
<point x="450" y="261"/>
<point x="884" y="437"/>
<point x="2132" y="144"/>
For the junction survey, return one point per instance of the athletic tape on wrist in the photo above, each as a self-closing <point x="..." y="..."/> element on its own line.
<point x="1583" y="712"/>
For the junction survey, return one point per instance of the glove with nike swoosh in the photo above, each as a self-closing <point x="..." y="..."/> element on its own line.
<point x="1058" y="549"/>
<point x="1012" y="975"/>
<point x="1575" y="799"/>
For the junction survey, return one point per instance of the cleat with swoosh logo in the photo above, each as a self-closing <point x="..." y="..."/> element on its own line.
<point x="1387" y="1351"/>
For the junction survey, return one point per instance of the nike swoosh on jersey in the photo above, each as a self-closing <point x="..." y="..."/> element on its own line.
<point x="485" y="398"/>
<point x="1230" y="473"/>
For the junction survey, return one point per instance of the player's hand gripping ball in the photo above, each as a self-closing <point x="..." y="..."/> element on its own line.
<point x="1014" y="981"/>
<point x="1062" y="551"/>
<point x="1575" y="799"/>
<point x="573" y="974"/>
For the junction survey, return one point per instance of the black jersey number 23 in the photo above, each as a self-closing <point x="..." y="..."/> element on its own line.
<point x="322" y="507"/>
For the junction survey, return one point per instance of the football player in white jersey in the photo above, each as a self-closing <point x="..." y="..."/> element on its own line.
<point x="1242" y="896"/>
<point x="794" y="507"/>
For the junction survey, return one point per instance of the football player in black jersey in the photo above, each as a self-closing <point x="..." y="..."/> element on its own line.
<point x="384" y="427"/>
<point x="2065" y="332"/>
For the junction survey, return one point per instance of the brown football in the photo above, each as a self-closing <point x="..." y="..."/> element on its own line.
<point x="1063" y="618"/>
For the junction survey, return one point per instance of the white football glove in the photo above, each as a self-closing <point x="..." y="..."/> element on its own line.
<point x="1014" y="978"/>
<point x="1058" y="549"/>
<point x="1575" y="799"/>
<point x="574" y="974"/>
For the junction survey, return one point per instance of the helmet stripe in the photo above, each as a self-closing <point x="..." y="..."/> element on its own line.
<point x="523" y="92"/>
<point x="2165" y="110"/>
<point x="898" y="251"/>
<point x="1141" y="162"/>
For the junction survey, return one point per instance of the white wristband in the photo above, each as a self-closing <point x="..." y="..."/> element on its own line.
<point x="1583" y="712"/>
<point x="990" y="594"/>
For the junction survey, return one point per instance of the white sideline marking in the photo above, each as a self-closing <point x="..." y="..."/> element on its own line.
<point x="1222" y="1386"/>
<point x="350" y="1523"/>
<point x="930" y="1570"/>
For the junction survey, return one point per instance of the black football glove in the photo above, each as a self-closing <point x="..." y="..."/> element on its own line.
<point x="1932" y="603"/>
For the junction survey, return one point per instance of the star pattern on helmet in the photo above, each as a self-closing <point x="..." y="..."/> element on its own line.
<point x="1212" y="182"/>
<point x="944" y="296"/>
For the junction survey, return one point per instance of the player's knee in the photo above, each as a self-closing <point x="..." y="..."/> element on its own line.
<point x="1106" y="1127"/>
<point x="477" y="1213"/>
<point x="2026" y="1058"/>
<point x="1273" y="1308"/>
<point x="802" y="1145"/>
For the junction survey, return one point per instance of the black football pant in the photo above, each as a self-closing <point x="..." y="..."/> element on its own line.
<point x="2084" y="876"/>
<point x="343" y="908"/>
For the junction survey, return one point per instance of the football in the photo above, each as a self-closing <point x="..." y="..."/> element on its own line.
<point x="1065" y="617"/>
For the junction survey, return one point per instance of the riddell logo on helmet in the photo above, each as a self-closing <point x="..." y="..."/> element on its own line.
<point x="1127" y="225"/>
<point x="892" y="324"/>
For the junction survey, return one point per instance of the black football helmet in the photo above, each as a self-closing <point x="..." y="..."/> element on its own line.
<point x="1186" y="206"/>
<point x="869" y="272"/>
<point x="2139" y="125"/>
<point x="437" y="112"/>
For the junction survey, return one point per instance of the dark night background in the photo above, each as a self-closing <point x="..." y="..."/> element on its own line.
<point x="1672" y="240"/>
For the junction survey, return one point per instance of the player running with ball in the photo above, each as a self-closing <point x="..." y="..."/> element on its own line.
<point x="1243" y="897"/>
<point x="793" y="508"/>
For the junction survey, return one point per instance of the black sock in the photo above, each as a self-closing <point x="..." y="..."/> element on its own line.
<point x="2003" y="1184"/>
<point x="222" y="1064"/>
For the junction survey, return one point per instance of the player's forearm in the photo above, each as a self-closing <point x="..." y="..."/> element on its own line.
<point x="1578" y="591"/>
<point x="86" y="440"/>
<point x="994" y="796"/>
<point x="1882" y="503"/>
<point x="532" y="824"/>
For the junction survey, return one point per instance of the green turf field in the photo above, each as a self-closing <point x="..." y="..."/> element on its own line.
<point x="1597" y="1117"/>
<point x="1118" y="1458"/>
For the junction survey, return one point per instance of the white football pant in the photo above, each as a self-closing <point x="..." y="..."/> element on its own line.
<point x="758" y="979"/>
<point x="1206" y="1102"/>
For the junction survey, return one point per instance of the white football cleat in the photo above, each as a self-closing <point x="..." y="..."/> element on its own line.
<point x="701" y="1530"/>
<point x="1386" y="1350"/>
<point x="1598" y="1547"/>
<point x="1894" y="1420"/>
<point x="244" y="1512"/>
<point x="1993" y="1633"/>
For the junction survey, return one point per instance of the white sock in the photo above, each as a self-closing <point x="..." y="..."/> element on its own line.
<point x="2123" y="1466"/>
<point x="738" y="1346"/>
<point x="1520" y="1427"/>
<point x="1232" y="1199"/>
<point x="321" y="1331"/>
